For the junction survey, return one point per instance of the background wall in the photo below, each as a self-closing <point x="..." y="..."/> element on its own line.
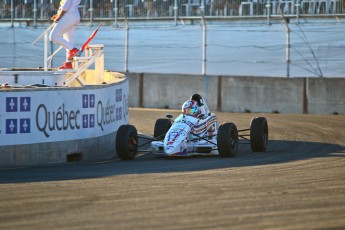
<point x="240" y="94"/>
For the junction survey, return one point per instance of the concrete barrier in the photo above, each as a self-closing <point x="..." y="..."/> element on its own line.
<point x="240" y="94"/>
<point x="326" y="95"/>
<point x="89" y="149"/>
<point x="44" y="125"/>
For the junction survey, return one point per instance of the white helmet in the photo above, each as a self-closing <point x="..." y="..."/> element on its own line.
<point x="191" y="108"/>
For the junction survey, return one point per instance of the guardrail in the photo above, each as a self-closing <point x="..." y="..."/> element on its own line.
<point x="131" y="9"/>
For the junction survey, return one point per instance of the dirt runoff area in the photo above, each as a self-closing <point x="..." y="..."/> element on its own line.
<point x="298" y="183"/>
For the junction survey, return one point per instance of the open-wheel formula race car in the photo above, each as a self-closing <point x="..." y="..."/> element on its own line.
<point x="188" y="136"/>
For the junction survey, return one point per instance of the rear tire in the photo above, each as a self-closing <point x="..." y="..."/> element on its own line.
<point x="227" y="140"/>
<point x="259" y="134"/>
<point x="161" y="128"/>
<point x="127" y="142"/>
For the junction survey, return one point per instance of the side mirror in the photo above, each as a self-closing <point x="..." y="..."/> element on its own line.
<point x="169" y="116"/>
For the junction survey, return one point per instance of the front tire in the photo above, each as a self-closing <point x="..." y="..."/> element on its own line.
<point x="162" y="126"/>
<point x="259" y="134"/>
<point x="127" y="142"/>
<point x="227" y="140"/>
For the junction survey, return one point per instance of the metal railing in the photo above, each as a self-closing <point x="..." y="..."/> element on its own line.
<point x="117" y="9"/>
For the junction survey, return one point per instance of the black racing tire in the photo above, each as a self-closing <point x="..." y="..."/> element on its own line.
<point x="127" y="142"/>
<point x="161" y="128"/>
<point x="227" y="140"/>
<point x="259" y="134"/>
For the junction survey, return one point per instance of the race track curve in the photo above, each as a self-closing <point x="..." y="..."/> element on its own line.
<point x="299" y="183"/>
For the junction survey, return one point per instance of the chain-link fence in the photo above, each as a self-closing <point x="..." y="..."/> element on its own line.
<point x="116" y="9"/>
<point x="315" y="48"/>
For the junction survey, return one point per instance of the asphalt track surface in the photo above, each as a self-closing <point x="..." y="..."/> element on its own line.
<point x="299" y="183"/>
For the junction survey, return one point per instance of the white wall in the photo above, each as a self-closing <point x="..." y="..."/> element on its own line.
<point x="40" y="126"/>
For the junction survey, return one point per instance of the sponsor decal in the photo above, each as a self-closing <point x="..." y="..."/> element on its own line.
<point x="92" y="120"/>
<point x="106" y="114"/>
<point x="85" y="121"/>
<point x="24" y="125"/>
<point x="11" y="104"/>
<point x="61" y="119"/>
<point x="85" y="101"/>
<point x="25" y="104"/>
<point x="88" y="101"/>
<point x="19" y="105"/>
<point x="88" y="121"/>
<point x="118" y="95"/>
<point x="92" y="100"/>
<point x="119" y="113"/>
<point x="11" y="126"/>
<point x="125" y="108"/>
<point x="55" y="116"/>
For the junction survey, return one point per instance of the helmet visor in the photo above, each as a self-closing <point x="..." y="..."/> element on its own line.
<point x="191" y="111"/>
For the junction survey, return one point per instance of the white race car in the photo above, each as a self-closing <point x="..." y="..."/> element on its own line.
<point x="188" y="136"/>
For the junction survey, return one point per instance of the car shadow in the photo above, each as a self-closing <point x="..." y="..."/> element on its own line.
<point x="278" y="151"/>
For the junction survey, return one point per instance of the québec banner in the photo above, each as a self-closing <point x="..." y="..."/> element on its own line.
<point x="38" y="116"/>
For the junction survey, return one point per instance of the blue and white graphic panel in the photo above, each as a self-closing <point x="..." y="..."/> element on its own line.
<point x="59" y="115"/>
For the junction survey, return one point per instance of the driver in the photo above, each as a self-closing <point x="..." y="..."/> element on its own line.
<point x="196" y="107"/>
<point x="191" y="108"/>
<point x="203" y="108"/>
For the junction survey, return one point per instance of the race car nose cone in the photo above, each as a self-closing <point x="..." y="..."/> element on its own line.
<point x="170" y="149"/>
<point x="176" y="149"/>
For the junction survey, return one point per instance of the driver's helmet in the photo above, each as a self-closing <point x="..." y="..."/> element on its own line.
<point x="198" y="98"/>
<point x="191" y="108"/>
